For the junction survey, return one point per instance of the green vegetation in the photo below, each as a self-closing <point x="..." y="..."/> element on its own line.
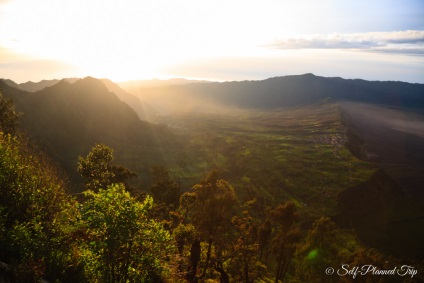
<point x="8" y="115"/>
<point x="122" y="244"/>
<point x="44" y="232"/>
<point x="265" y="214"/>
<point x="293" y="155"/>
<point x="36" y="212"/>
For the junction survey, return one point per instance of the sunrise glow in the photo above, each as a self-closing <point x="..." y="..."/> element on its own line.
<point x="220" y="40"/>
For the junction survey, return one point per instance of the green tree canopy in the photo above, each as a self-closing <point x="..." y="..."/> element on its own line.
<point x="164" y="190"/>
<point x="98" y="171"/>
<point x="324" y="246"/>
<point x="9" y="117"/>
<point x="95" y="168"/>
<point x="213" y="207"/>
<point x="123" y="244"/>
<point x="36" y="213"/>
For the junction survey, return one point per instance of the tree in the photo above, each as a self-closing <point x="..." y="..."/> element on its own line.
<point x="264" y="238"/>
<point x="95" y="167"/>
<point x="185" y="234"/>
<point x="9" y="117"/>
<point x="97" y="170"/>
<point x="211" y="214"/>
<point x="245" y="265"/>
<point x="122" y="244"/>
<point x="37" y="215"/>
<point x="164" y="190"/>
<point x="285" y="237"/>
<point x="324" y="246"/>
<point x="368" y="256"/>
<point x="122" y="175"/>
<point x="187" y="202"/>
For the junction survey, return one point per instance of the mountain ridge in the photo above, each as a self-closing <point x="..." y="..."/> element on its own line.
<point x="143" y="109"/>
<point x="66" y="120"/>
<point x="286" y="91"/>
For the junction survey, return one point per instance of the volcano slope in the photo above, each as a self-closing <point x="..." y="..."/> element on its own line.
<point x="387" y="210"/>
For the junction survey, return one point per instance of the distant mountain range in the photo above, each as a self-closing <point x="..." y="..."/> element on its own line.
<point x="277" y="92"/>
<point x="147" y="97"/>
<point x="67" y="117"/>
<point x="157" y="83"/>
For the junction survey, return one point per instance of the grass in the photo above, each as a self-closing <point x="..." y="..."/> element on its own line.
<point x="296" y="155"/>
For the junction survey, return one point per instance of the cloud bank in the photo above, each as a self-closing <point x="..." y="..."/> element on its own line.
<point x="406" y="42"/>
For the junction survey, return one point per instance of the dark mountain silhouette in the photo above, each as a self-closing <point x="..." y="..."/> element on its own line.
<point x="37" y="86"/>
<point x="68" y="119"/>
<point x="12" y="84"/>
<point x="143" y="110"/>
<point x="285" y="91"/>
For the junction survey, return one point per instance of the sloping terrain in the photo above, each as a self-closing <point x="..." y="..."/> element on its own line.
<point x="66" y="120"/>
<point x="392" y="137"/>
<point x="387" y="210"/>
<point x="143" y="110"/>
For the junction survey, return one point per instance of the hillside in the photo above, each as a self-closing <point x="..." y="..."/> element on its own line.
<point x="386" y="210"/>
<point x="143" y="110"/>
<point x="67" y="119"/>
<point x="293" y="146"/>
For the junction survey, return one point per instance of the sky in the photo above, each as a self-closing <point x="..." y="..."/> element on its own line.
<point x="215" y="40"/>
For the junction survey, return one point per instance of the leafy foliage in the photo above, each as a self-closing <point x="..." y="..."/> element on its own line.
<point x="286" y="236"/>
<point x="95" y="168"/>
<point x="245" y="265"/>
<point x="324" y="246"/>
<point x="8" y="116"/>
<point x="35" y="210"/>
<point x="214" y="205"/>
<point x="164" y="189"/>
<point x="122" y="244"/>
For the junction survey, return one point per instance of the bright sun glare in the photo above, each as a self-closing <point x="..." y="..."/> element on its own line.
<point x="222" y="40"/>
<point x="126" y="39"/>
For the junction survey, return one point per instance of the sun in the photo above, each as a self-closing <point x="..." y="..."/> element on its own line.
<point x="124" y="40"/>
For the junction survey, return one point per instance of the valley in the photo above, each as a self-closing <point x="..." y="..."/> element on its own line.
<point x="331" y="156"/>
<point x="279" y="155"/>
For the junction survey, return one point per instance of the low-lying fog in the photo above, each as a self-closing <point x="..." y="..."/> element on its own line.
<point x="394" y="134"/>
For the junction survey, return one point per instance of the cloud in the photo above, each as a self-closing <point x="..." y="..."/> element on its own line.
<point x="324" y="62"/>
<point x="407" y="42"/>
